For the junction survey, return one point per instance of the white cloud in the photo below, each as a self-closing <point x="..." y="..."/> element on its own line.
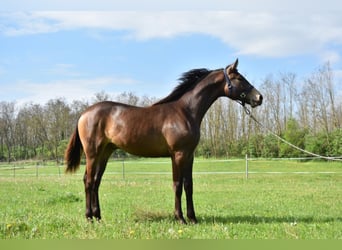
<point x="64" y="69"/>
<point x="330" y="56"/>
<point x="305" y="6"/>
<point x="273" y="34"/>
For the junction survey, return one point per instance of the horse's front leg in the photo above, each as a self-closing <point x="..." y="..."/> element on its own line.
<point x="188" y="187"/>
<point x="178" y="187"/>
<point x="182" y="175"/>
<point x="177" y="177"/>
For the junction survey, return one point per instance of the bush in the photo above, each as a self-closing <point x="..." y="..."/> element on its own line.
<point x="295" y="135"/>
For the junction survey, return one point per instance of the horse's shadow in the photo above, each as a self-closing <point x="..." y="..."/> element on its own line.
<point x="154" y="216"/>
<point x="255" y="219"/>
<point x="141" y="216"/>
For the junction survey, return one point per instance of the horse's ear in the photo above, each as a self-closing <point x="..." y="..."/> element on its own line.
<point x="235" y="64"/>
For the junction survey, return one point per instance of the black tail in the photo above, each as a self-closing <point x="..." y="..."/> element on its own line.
<point x="73" y="153"/>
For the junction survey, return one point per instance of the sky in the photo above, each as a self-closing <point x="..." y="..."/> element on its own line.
<point x="73" y="50"/>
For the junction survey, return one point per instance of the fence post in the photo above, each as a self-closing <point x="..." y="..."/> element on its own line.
<point x="123" y="168"/>
<point x="59" y="170"/>
<point x="246" y="166"/>
<point x="37" y="165"/>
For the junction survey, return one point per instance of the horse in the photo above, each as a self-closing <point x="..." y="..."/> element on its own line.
<point x="167" y="128"/>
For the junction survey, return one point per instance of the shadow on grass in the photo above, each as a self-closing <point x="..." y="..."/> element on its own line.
<point x="154" y="216"/>
<point x="254" y="219"/>
<point x="157" y="216"/>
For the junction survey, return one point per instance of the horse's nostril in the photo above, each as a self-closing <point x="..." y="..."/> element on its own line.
<point x="259" y="97"/>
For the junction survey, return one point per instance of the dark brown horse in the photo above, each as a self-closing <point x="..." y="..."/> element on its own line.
<point x="170" y="127"/>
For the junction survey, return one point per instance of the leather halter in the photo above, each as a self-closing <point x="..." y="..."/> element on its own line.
<point x="233" y="89"/>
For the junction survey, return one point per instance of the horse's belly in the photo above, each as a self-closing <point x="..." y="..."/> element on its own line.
<point x="147" y="150"/>
<point x="137" y="137"/>
<point x="149" y="146"/>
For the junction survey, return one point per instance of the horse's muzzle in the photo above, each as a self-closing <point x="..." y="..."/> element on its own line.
<point x="256" y="101"/>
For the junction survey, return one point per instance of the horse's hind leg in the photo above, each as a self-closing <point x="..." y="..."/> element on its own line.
<point x="88" y="180"/>
<point x="92" y="180"/>
<point x="101" y="166"/>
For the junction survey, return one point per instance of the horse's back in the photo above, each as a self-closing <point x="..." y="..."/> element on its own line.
<point x="136" y="130"/>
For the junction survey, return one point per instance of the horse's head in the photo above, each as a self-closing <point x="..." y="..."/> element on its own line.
<point x="238" y="88"/>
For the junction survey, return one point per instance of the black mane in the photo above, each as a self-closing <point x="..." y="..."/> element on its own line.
<point x="187" y="82"/>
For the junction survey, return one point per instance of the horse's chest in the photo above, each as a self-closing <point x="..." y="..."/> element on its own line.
<point x="181" y="134"/>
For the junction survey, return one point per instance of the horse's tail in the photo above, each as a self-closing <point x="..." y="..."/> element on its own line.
<point x="73" y="153"/>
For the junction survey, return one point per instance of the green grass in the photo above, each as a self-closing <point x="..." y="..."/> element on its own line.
<point x="290" y="205"/>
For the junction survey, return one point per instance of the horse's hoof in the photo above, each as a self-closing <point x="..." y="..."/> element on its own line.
<point x="193" y="220"/>
<point x="182" y="221"/>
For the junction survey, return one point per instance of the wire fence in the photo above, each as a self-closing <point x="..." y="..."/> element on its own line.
<point x="160" y="166"/>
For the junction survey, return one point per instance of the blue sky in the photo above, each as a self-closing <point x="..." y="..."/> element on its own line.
<point x="72" y="53"/>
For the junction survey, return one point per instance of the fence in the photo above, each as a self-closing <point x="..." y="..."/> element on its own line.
<point x="30" y="169"/>
<point x="125" y="167"/>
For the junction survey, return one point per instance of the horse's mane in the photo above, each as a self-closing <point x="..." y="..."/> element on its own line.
<point x="187" y="82"/>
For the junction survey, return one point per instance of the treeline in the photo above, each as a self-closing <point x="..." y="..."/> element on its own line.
<point x="35" y="131"/>
<point x="303" y="111"/>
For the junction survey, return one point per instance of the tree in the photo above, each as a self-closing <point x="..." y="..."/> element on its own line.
<point x="336" y="143"/>
<point x="273" y="105"/>
<point x="270" y="146"/>
<point x="287" y="81"/>
<point x="128" y="98"/>
<point x="101" y="96"/>
<point x="58" y="122"/>
<point x="22" y="134"/>
<point x="322" y="108"/>
<point x="37" y="128"/>
<point x="7" y="127"/>
<point x="317" y="143"/>
<point x="307" y="113"/>
<point x="295" y="135"/>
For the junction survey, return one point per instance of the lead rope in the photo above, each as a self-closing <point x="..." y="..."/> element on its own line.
<point x="248" y="112"/>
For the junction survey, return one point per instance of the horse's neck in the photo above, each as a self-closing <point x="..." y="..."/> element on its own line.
<point x="199" y="100"/>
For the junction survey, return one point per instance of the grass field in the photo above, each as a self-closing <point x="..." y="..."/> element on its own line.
<point x="280" y="200"/>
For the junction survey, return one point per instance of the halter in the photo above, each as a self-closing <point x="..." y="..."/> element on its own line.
<point x="229" y="83"/>
<point x="232" y="89"/>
